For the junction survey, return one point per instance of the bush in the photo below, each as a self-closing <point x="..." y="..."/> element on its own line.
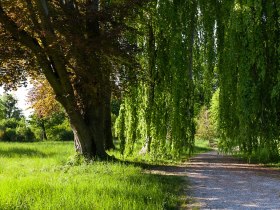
<point x="24" y="134"/>
<point x="12" y="130"/>
<point x="9" y="134"/>
<point x="61" y="132"/>
<point x="264" y="155"/>
<point x="9" y="123"/>
<point x="55" y="127"/>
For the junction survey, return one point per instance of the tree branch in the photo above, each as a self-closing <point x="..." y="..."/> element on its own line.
<point x="19" y="34"/>
<point x="31" y="43"/>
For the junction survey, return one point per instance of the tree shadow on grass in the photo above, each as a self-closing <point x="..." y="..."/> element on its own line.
<point x="22" y="152"/>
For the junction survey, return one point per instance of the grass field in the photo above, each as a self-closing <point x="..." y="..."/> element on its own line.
<point x="45" y="175"/>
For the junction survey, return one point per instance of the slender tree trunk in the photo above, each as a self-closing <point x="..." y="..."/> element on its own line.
<point x="44" y="134"/>
<point x="109" y="144"/>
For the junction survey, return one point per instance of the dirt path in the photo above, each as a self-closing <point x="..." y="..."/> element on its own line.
<point x="224" y="182"/>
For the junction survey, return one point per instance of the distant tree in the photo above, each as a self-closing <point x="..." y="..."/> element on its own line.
<point x="12" y="129"/>
<point x="39" y="122"/>
<point x="48" y="113"/>
<point x="41" y="98"/>
<point x="8" y="107"/>
<point x="52" y="127"/>
<point x="205" y="128"/>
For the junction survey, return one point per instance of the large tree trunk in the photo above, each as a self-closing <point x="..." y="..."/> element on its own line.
<point x="86" y="111"/>
<point x="92" y="131"/>
<point x="89" y="132"/>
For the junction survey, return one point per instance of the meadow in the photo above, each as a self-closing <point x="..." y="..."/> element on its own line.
<point x="47" y="175"/>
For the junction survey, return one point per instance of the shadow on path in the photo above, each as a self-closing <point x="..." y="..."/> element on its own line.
<point x="225" y="182"/>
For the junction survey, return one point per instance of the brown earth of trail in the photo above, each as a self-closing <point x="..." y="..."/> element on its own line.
<point x="224" y="182"/>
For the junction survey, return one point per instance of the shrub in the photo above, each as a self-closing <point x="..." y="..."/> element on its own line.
<point x="61" y="132"/>
<point x="55" y="127"/>
<point x="12" y="130"/>
<point x="9" y="135"/>
<point x="24" y="134"/>
<point x="9" y="123"/>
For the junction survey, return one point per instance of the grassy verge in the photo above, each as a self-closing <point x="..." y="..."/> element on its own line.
<point x="42" y="176"/>
<point x="259" y="158"/>
<point x="273" y="165"/>
<point x="201" y="146"/>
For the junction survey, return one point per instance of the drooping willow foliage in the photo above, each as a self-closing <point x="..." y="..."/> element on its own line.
<point x="249" y="77"/>
<point x="190" y="48"/>
<point x="158" y="111"/>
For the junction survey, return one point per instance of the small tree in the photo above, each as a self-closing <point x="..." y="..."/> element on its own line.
<point x="214" y="112"/>
<point x="205" y="128"/>
<point x="8" y="107"/>
<point x="208" y="119"/>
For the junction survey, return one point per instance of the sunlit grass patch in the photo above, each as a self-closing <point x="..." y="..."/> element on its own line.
<point x="201" y="146"/>
<point x="39" y="176"/>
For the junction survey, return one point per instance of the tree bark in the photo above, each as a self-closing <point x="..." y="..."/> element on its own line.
<point x="44" y="134"/>
<point x="89" y="133"/>
<point x="109" y="144"/>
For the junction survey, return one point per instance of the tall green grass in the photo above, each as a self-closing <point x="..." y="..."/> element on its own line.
<point x="45" y="175"/>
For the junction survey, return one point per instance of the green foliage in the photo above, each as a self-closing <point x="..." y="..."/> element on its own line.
<point x="9" y="123"/>
<point x="159" y="110"/>
<point x="214" y="112"/>
<point x="201" y="146"/>
<point x="8" y="107"/>
<point x="56" y="127"/>
<point x="248" y="71"/>
<point x="205" y="128"/>
<point x="12" y="124"/>
<point x="60" y="132"/>
<point x="208" y="121"/>
<point x="120" y="129"/>
<point x="12" y="130"/>
<point x="40" y="176"/>
<point x="8" y="134"/>
<point x="24" y="134"/>
<point x="115" y="106"/>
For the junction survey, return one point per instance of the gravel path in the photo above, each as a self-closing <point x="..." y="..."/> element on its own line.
<point x="223" y="182"/>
